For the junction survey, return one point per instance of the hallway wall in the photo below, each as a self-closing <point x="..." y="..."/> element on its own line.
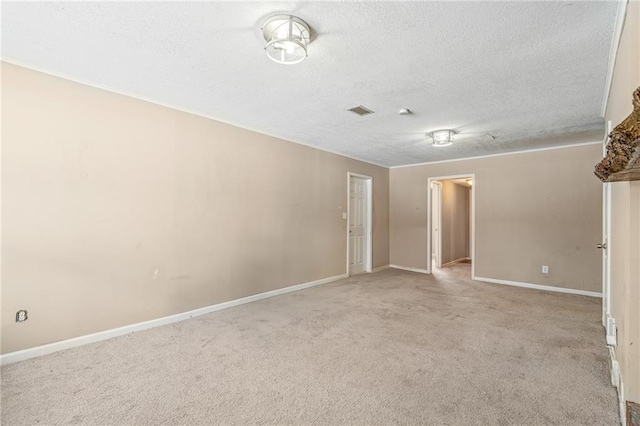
<point x="455" y="222"/>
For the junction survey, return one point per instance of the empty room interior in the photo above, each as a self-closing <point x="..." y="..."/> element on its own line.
<point x="320" y="213"/>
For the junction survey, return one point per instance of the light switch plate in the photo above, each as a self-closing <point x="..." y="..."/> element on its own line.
<point x="344" y="215"/>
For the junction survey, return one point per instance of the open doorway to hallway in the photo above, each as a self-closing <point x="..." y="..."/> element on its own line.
<point x="451" y="224"/>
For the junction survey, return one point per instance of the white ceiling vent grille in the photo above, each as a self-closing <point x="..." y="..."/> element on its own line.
<point x="360" y="110"/>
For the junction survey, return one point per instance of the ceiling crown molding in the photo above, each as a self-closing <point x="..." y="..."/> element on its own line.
<point x="615" y="42"/>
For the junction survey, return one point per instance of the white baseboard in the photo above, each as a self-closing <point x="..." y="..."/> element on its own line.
<point x="380" y="268"/>
<point x="616" y="381"/>
<point x="622" y="402"/>
<point x="406" y="268"/>
<point x="11" y="357"/>
<point x="540" y="287"/>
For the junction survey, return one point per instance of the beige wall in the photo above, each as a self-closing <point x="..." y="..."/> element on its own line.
<point x="625" y="215"/>
<point x="117" y="211"/>
<point x="532" y="209"/>
<point x="455" y="222"/>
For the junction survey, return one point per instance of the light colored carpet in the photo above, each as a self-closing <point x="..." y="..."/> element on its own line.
<point x="387" y="348"/>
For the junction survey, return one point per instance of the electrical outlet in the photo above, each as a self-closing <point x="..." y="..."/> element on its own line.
<point x="21" y="315"/>
<point x="545" y="269"/>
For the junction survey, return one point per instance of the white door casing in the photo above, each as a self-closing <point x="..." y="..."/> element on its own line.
<point x="606" y="243"/>
<point x="359" y="226"/>
<point x="606" y="257"/>
<point x="436" y="222"/>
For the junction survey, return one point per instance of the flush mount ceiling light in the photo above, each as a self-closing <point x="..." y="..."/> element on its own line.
<point x="442" y="137"/>
<point x="287" y="39"/>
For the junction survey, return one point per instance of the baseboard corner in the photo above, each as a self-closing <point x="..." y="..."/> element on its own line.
<point x="380" y="268"/>
<point x="407" y="268"/>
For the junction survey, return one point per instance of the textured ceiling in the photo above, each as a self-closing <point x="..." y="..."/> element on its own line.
<point x="507" y="76"/>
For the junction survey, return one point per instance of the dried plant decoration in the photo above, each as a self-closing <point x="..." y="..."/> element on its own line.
<point x="622" y="161"/>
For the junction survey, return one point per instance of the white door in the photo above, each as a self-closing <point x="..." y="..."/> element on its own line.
<point x="436" y="191"/>
<point x="358" y="215"/>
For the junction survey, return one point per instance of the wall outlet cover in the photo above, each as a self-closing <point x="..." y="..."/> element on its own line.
<point x="612" y="331"/>
<point x="21" y="315"/>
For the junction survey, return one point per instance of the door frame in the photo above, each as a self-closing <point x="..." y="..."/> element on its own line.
<point x="369" y="227"/>
<point x="606" y="253"/>
<point x="439" y="224"/>
<point x="472" y="231"/>
<point x="606" y="239"/>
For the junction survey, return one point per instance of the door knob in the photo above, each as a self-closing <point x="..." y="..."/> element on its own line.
<point x="602" y="246"/>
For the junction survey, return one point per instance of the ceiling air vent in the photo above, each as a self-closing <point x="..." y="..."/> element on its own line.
<point x="360" y="110"/>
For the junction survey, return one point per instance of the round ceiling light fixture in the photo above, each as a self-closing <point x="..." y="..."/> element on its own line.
<point x="287" y="38"/>
<point x="442" y="137"/>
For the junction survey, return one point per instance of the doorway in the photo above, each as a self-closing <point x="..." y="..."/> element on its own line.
<point x="359" y="213"/>
<point x="451" y="222"/>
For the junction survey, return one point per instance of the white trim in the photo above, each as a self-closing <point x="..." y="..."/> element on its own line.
<point x="380" y="268"/>
<point x="616" y="381"/>
<point x="406" y="268"/>
<point x="439" y="225"/>
<point x="540" y="287"/>
<point x="175" y="107"/>
<point x="613" y="51"/>
<point x="472" y="231"/>
<point x="606" y="238"/>
<point x="527" y="151"/>
<point x="369" y="230"/>
<point x="127" y="329"/>
<point x="609" y="210"/>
